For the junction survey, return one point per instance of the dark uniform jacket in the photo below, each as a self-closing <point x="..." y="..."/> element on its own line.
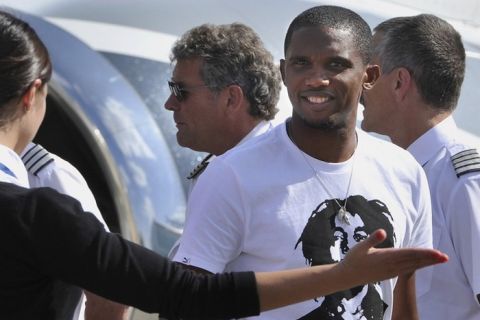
<point x="46" y="237"/>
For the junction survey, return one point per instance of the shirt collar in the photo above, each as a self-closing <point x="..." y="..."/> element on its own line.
<point x="259" y="129"/>
<point x="262" y="127"/>
<point x="12" y="161"/>
<point x="428" y="144"/>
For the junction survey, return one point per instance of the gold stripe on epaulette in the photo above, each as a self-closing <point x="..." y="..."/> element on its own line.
<point x="466" y="161"/>
<point x="200" y="167"/>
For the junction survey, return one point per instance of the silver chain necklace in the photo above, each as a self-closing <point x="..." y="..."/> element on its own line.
<point x="342" y="211"/>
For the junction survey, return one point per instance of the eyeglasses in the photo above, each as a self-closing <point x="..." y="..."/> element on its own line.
<point x="179" y="91"/>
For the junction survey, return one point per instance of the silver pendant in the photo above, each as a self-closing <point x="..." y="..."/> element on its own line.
<point x="342" y="215"/>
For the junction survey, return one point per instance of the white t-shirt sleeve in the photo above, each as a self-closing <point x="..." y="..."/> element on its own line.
<point x="464" y="214"/>
<point x="65" y="178"/>
<point x="215" y="228"/>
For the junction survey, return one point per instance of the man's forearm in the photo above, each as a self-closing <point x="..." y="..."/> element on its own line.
<point x="404" y="303"/>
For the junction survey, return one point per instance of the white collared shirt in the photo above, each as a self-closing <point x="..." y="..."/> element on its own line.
<point x="449" y="291"/>
<point x="62" y="176"/>
<point x="261" y="128"/>
<point x="16" y="172"/>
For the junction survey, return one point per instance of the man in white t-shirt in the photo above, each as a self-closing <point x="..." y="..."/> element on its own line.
<point x="223" y="91"/>
<point x="423" y="64"/>
<point x="49" y="170"/>
<point x="310" y="189"/>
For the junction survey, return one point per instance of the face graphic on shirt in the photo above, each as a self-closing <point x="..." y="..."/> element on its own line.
<point x="347" y="235"/>
<point x="327" y="239"/>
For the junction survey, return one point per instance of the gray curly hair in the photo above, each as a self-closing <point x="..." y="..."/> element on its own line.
<point x="234" y="54"/>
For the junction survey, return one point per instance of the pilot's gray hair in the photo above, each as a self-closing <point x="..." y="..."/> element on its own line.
<point x="431" y="50"/>
<point x="234" y="54"/>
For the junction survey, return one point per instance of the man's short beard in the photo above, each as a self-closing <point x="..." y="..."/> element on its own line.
<point x="325" y="125"/>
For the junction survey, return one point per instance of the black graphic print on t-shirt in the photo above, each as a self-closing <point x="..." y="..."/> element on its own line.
<point x="326" y="239"/>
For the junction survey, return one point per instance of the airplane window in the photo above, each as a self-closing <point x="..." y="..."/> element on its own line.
<point x="149" y="78"/>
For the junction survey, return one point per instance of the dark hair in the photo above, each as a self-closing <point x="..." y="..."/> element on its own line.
<point x="234" y="54"/>
<point x="23" y="59"/>
<point x="335" y="18"/>
<point x="431" y="49"/>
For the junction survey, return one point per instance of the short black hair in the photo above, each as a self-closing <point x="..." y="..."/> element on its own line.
<point x="335" y="17"/>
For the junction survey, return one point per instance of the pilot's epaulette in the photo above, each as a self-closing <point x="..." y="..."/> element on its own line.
<point x="200" y="167"/>
<point x="36" y="158"/>
<point x="466" y="161"/>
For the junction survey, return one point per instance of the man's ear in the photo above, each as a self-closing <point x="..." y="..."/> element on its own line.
<point x="29" y="96"/>
<point x="402" y="84"/>
<point x="282" y="69"/>
<point x="372" y="74"/>
<point x="235" y="97"/>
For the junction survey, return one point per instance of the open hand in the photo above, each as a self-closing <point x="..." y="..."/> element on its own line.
<point x="379" y="264"/>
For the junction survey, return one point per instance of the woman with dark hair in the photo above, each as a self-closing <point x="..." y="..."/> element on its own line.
<point x="25" y="69"/>
<point x="46" y="237"/>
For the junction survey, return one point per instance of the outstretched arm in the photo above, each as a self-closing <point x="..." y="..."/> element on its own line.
<point x="122" y="271"/>
<point x="363" y="264"/>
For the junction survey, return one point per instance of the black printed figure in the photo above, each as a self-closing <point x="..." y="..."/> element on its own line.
<point x="327" y="239"/>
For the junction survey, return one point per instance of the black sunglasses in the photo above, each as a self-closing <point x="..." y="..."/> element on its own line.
<point x="179" y="91"/>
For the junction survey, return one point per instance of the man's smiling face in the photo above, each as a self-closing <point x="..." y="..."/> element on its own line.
<point x="324" y="73"/>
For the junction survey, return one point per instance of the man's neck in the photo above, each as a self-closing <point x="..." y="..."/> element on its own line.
<point x="335" y="145"/>
<point x="415" y="125"/>
<point x="232" y="138"/>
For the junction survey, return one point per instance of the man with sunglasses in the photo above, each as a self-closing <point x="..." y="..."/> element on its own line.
<point x="223" y="91"/>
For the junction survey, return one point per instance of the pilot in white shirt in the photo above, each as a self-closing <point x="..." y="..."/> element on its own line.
<point x="48" y="170"/>
<point x="452" y="290"/>
<point x="13" y="170"/>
